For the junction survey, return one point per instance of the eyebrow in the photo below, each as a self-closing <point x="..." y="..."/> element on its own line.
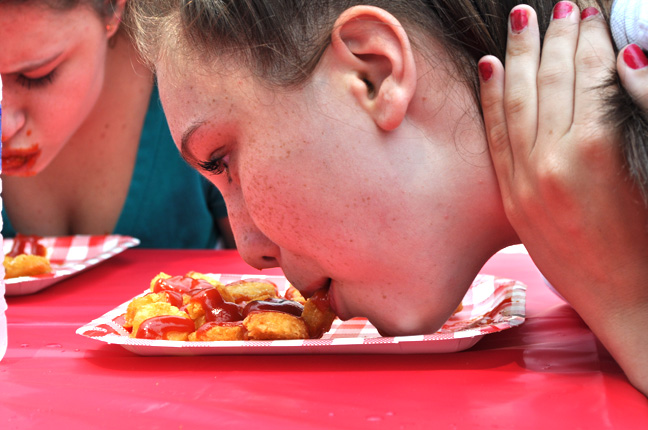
<point x="185" y="142"/>
<point x="34" y="65"/>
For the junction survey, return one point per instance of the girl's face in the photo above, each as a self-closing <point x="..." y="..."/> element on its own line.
<point x="397" y="223"/>
<point x="52" y="67"/>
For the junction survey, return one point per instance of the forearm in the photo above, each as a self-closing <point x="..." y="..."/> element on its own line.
<point x="622" y="330"/>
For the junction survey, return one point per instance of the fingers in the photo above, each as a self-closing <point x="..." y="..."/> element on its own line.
<point x="538" y="99"/>
<point x="556" y="75"/>
<point x="521" y="73"/>
<point x="633" y="71"/>
<point x="491" y="73"/>
<point x="509" y="98"/>
<point x="594" y="64"/>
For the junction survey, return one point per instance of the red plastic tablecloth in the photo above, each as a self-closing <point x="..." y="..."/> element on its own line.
<point x="549" y="373"/>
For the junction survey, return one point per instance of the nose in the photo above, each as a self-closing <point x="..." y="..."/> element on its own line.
<point x="254" y="247"/>
<point x="13" y="120"/>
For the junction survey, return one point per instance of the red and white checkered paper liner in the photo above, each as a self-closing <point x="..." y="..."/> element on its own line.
<point x="491" y="304"/>
<point x="68" y="256"/>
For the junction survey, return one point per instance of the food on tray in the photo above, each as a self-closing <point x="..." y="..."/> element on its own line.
<point x="27" y="257"/>
<point x="198" y="307"/>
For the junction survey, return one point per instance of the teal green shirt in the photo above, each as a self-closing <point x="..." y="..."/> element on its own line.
<point x="169" y="204"/>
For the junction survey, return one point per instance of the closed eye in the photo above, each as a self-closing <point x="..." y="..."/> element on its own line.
<point x="39" y="82"/>
<point x="215" y="167"/>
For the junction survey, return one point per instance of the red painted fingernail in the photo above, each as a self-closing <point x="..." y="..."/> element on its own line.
<point x="562" y="10"/>
<point x="634" y="57"/>
<point x="590" y="11"/>
<point x="519" y="20"/>
<point x="485" y="71"/>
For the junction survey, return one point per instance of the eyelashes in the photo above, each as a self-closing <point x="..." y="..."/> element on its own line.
<point x="215" y="167"/>
<point x="33" y="83"/>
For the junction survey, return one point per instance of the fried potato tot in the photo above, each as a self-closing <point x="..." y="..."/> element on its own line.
<point x="293" y="294"/>
<point x="225" y="294"/>
<point x="248" y="290"/>
<point x="212" y="331"/>
<point x="160" y="275"/>
<point x="165" y="327"/>
<point x="205" y="277"/>
<point x="137" y="303"/>
<point x="199" y="307"/>
<point x="26" y="265"/>
<point x="274" y="325"/>
<point x="318" y="314"/>
<point x="155" y="309"/>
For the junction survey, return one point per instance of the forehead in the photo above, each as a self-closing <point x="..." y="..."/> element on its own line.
<point x="35" y="31"/>
<point x="194" y="91"/>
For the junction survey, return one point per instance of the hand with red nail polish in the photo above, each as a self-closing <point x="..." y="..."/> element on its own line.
<point x="632" y="64"/>
<point x="563" y="173"/>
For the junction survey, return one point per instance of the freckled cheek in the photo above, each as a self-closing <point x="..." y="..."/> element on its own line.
<point x="278" y="207"/>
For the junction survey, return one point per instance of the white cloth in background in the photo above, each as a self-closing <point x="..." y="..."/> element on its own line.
<point x="629" y="23"/>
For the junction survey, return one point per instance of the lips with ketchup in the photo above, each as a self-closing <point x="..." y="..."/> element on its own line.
<point x="20" y="160"/>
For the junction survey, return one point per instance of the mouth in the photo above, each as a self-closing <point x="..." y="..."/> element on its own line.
<point x="323" y="294"/>
<point x="20" y="159"/>
<point x="309" y="290"/>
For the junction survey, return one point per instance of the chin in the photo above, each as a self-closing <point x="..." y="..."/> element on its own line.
<point x="408" y="326"/>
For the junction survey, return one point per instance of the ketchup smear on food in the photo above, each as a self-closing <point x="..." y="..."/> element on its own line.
<point x="27" y="244"/>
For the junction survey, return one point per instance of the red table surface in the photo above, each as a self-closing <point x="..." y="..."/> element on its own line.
<point x="549" y="373"/>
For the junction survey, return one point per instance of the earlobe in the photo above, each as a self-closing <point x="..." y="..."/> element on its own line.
<point x="113" y="21"/>
<point x="372" y="45"/>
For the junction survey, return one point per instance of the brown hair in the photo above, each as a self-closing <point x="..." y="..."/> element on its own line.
<point x="281" y="41"/>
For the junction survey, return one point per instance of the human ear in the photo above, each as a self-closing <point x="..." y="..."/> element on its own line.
<point x="113" y="20"/>
<point x="374" y="51"/>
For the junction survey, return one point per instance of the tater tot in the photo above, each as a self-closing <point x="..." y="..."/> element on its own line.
<point x="318" y="314"/>
<point x="138" y="302"/>
<point x="26" y="265"/>
<point x="204" y="276"/>
<point x="218" y="331"/>
<point x="151" y="310"/>
<point x="215" y="282"/>
<point x="245" y="291"/>
<point x="293" y="294"/>
<point x="274" y="325"/>
<point x="160" y="275"/>
<point x="198" y="307"/>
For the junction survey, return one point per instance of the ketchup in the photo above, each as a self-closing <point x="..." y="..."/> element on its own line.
<point x="274" y="304"/>
<point x="321" y="300"/>
<point x="20" y="158"/>
<point x="180" y="284"/>
<point x="27" y="244"/>
<point x="159" y="327"/>
<point x="216" y="309"/>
